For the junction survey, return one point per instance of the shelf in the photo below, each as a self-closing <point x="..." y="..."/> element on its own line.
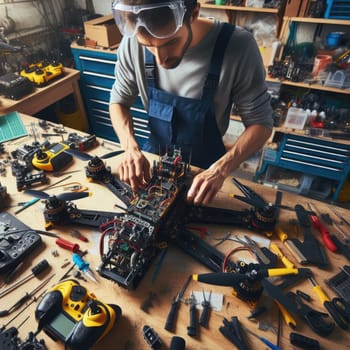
<point x="310" y="86"/>
<point x="240" y="8"/>
<point x="318" y="20"/>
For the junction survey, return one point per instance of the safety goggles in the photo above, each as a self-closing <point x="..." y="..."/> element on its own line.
<point x="161" y="20"/>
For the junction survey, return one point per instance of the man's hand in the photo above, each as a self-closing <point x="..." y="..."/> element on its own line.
<point x="134" y="169"/>
<point x="205" y="186"/>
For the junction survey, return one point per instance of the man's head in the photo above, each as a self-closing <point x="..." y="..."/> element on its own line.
<point x="160" y="18"/>
<point x="164" y="27"/>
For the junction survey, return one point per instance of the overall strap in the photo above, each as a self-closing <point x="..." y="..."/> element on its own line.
<point x="213" y="75"/>
<point x="150" y="68"/>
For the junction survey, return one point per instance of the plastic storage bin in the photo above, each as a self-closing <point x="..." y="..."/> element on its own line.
<point x="339" y="79"/>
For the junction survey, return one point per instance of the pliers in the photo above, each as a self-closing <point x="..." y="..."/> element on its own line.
<point x="315" y="319"/>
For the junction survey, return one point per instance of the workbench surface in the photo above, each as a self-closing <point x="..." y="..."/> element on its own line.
<point x="176" y="267"/>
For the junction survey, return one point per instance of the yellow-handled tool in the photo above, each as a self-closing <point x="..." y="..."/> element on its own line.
<point x="285" y="261"/>
<point x="338" y="308"/>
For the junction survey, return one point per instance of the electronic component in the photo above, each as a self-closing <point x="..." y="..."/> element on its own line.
<point x="25" y="153"/>
<point x="25" y="180"/>
<point x="14" y="86"/>
<point x="53" y="158"/>
<point x="82" y="143"/>
<point x="303" y="342"/>
<point x="151" y="337"/>
<point x="157" y="213"/>
<point x="43" y="72"/>
<point x="73" y="315"/>
<point x="16" y="241"/>
<point x="340" y="283"/>
<point x="4" y="197"/>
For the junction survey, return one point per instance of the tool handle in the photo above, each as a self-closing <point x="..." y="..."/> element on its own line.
<point x="326" y="237"/>
<point x="73" y="247"/>
<point x="169" y="323"/>
<point x="40" y="267"/>
<point x="80" y="262"/>
<point x="281" y="234"/>
<point x="286" y="262"/>
<point x="192" y="328"/>
<point x="269" y="344"/>
<point x="203" y="320"/>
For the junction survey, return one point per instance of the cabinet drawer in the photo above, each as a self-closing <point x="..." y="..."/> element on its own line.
<point x="96" y="79"/>
<point x="97" y="65"/>
<point x="97" y="93"/>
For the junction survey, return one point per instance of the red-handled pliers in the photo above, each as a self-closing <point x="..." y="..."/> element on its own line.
<point x="326" y="237"/>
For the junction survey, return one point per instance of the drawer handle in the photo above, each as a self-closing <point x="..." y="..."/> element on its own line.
<point x="86" y="72"/>
<point x="86" y="58"/>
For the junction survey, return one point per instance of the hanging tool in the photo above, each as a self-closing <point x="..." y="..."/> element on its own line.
<point x="326" y="237"/>
<point x="36" y="270"/>
<point x="83" y="266"/>
<point x="203" y="320"/>
<point x="26" y="297"/>
<point x="264" y="340"/>
<point x="169" y="323"/>
<point x="192" y="328"/>
<point x="338" y="308"/>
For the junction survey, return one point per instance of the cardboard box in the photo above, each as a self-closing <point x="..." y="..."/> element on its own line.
<point x="103" y="30"/>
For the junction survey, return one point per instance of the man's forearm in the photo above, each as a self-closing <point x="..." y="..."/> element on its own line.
<point x="250" y="141"/>
<point x="123" y="125"/>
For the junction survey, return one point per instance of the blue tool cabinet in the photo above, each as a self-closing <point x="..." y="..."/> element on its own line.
<point x="310" y="155"/>
<point x="96" y="79"/>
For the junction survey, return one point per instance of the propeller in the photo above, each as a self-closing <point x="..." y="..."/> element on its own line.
<point x="66" y="196"/>
<point x="86" y="156"/>
<point x="232" y="278"/>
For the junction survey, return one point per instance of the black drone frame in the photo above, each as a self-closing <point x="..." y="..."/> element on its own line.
<point x="157" y="213"/>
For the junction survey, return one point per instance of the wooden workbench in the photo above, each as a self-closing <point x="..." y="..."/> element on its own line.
<point x="45" y="96"/>
<point x="127" y="333"/>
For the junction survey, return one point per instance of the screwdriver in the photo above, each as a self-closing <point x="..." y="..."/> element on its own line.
<point x="63" y="243"/>
<point x="83" y="266"/>
<point x="265" y="341"/>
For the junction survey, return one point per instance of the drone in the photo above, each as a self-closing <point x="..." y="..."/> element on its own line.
<point x="130" y="240"/>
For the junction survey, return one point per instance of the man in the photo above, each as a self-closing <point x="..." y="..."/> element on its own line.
<point x="189" y="72"/>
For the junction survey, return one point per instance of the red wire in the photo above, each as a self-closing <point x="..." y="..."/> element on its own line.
<point x="234" y="250"/>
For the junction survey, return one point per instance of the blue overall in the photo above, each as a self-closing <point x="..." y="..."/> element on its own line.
<point x="186" y="123"/>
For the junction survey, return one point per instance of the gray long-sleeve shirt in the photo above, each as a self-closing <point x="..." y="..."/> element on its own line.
<point x="242" y="78"/>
